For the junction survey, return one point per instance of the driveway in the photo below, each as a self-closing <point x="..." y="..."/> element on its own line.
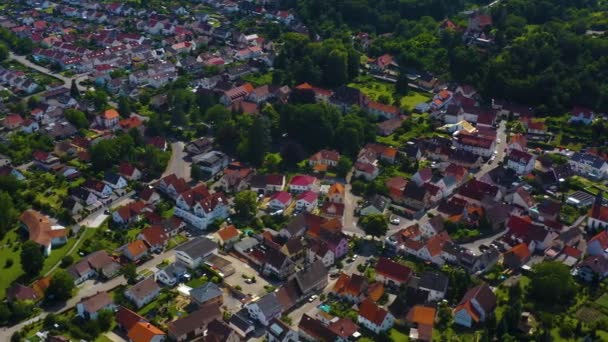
<point x="177" y="164"/>
<point x="241" y="269"/>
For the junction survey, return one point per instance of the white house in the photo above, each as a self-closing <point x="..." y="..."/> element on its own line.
<point x="89" y="308"/>
<point x="143" y="292"/>
<point x="306" y="201"/>
<point x="265" y="309"/>
<point x="521" y="162"/>
<point x="194" y="251"/>
<point x="588" y="165"/>
<point x="301" y="183"/>
<point x="374" y="317"/>
<point x="280" y="200"/>
<point x="476" y="305"/>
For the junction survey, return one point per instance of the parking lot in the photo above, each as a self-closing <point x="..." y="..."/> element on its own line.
<point x="243" y="269"/>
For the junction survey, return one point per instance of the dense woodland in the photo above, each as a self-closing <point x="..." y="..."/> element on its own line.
<point x="541" y="56"/>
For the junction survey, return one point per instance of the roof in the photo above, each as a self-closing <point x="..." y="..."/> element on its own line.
<point x="228" y="233"/>
<point x="40" y="228"/>
<point x="302" y="180"/>
<point x="136" y="248"/>
<point x="218" y="331"/>
<point x="421" y="315"/>
<point x="393" y="270"/>
<point x="316" y="329"/>
<point x="97" y="302"/>
<point x="278" y="329"/>
<point x="311" y="276"/>
<point x="143" y="332"/>
<point x="197" y="319"/>
<point x="269" y="305"/>
<point x="19" y="292"/>
<point x="198" y="247"/>
<point x="436" y="281"/>
<point x="372" y="312"/>
<point x="484" y="297"/>
<point x="282" y="196"/>
<point x="110" y="114"/>
<point x="307" y="196"/>
<point x="127" y="318"/>
<point x="343" y="327"/>
<point x="601" y="238"/>
<point x="155" y="235"/>
<point x="521" y="252"/>
<point x="336" y="188"/>
<point x="143" y="288"/>
<point x="206" y="292"/>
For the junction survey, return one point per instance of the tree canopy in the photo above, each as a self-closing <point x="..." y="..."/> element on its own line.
<point x="551" y="284"/>
<point x="32" y="258"/>
<point x="375" y="225"/>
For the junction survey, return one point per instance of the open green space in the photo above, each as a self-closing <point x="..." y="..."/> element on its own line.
<point x="412" y="99"/>
<point x="259" y="79"/>
<point x="9" y="250"/>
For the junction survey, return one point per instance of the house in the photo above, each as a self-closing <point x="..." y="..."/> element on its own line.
<point x="521" y="162"/>
<point x="100" y="189"/>
<point x="155" y="237"/>
<point x="127" y="319"/>
<point x="350" y="288"/>
<point x="311" y="330"/>
<point x="81" y="271"/>
<point x="262" y="184"/>
<point x="476" y="144"/>
<point x="135" y="250"/>
<point x="328" y="158"/>
<point x="312" y="279"/>
<point x="12" y="121"/>
<point x="476" y="305"/>
<point x="207" y="294"/>
<point x="108" y="119"/>
<point x="367" y="171"/>
<point x="423" y="176"/>
<point x="319" y="250"/>
<point x="593" y="268"/>
<point x="435" y="284"/>
<point x="336" y="193"/>
<point x="383" y="111"/>
<point x="598" y="214"/>
<point x="422" y="320"/>
<point x="236" y="94"/>
<point x="306" y="201"/>
<point x="171" y="274"/>
<point x="29" y="126"/>
<point x="523" y="199"/>
<point x="42" y="231"/>
<point x="517" y="142"/>
<point x="517" y="256"/>
<point x="129" y="172"/>
<point x="145" y="332"/>
<point x="228" y="236"/>
<point x="45" y="161"/>
<point x="143" y="292"/>
<point x="115" y="181"/>
<point x="374" y="317"/>
<point x="277" y="264"/>
<point x="193" y="325"/>
<point x="236" y="178"/>
<point x="588" y="165"/>
<point x="211" y="162"/>
<point x="18" y="292"/>
<point x="280" y="200"/>
<point x="376" y="205"/>
<point x="218" y="331"/>
<point x="103" y="264"/>
<point x="149" y="196"/>
<point x="265" y="309"/>
<point x="129" y="213"/>
<point x="89" y="307"/>
<point x="598" y="244"/>
<point x="581" y="115"/>
<point x="277" y="331"/>
<point x="345" y="97"/>
<point x="392" y="273"/>
<point x="301" y="183"/>
<point x="194" y="251"/>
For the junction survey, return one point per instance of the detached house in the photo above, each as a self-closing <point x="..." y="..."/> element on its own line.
<point x="89" y="308"/>
<point x="301" y="183"/>
<point x="42" y="231"/>
<point x="306" y="201"/>
<point x="392" y="273"/>
<point x="155" y="237"/>
<point x="476" y="305"/>
<point x="581" y="115"/>
<point x="194" y="251"/>
<point x="521" y="162"/>
<point x="280" y="200"/>
<point x="327" y="158"/>
<point x="135" y="250"/>
<point x="143" y="292"/>
<point x="588" y="165"/>
<point x="374" y="317"/>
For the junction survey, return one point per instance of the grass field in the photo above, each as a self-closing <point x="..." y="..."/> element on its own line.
<point x="259" y="79"/>
<point x="602" y="302"/>
<point x="374" y="89"/>
<point x="398" y="336"/>
<point x="9" y="274"/>
<point x="412" y="99"/>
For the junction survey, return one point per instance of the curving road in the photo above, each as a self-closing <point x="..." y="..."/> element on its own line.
<point x="67" y="81"/>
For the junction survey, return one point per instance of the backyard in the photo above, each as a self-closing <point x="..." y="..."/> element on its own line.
<point x="41" y="79"/>
<point x="385" y="92"/>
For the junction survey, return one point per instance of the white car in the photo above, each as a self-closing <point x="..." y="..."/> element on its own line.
<point x="395" y="220"/>
<point x="312" y="298"/>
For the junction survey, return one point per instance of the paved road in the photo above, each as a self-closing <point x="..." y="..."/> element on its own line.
<point x="67" y="81"/>
<point x="177" y="164"/>
<point x="501" y="135"/>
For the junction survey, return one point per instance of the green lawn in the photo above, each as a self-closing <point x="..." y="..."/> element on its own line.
<point x="375" y="89"/>
<point x="412" y="99"/>
<point x="176" y="241"/>
<point x="259" y="79"/>
<point x="603" y="301"/>
<point x="11" y="273"/>
<point x="103" y="338"/>
<point x="398" y="336"/>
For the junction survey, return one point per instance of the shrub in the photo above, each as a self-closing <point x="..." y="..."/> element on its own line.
<point x="8" y="263"/>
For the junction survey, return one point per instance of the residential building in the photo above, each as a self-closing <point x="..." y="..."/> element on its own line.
<point x="588" y="165"/>
<point x="475" y="307"/>
<point x="265" y="309"/>
<point x="143" y="292"/>
<point x="135" y="250"/>
<point x="277" y="331"/>
<point x="374" y="317"/>
<point x="194" y="251"/>
<point x="521" y="162"/>
<point x="89" y="307"/>
<point x="171" y="274"/>
<point x="43" y="231"/>
<point x="207" y="294"/>
<point x="194" y="324"/>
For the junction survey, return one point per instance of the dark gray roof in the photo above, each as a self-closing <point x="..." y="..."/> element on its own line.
<point x="588" y="159"/>
<point x="198" y="247"/>
<point x="175" y="269"/>
<point x="206" y="292"/>
<point x="111" y="177"/>
<point x="311" y="276"/>
<point x="277" y="328"/>
<point x="269" y="305"/>
<point x="433" y="281"/>
<point x="241" y="320"/>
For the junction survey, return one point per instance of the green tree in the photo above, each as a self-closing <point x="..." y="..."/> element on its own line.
<point x="3" y="51"/>
<point x="402" y="84"/>
<point x="259" y="141"/>
<point x="196" y="173"/>
<point x="272" y="162"/>
<point x="5" y="313"/>
<point x="245" y="204"/>
<point x="61" y="286"/>
<point x="551" y="285"/>
<point x="344" y="166"/>
<point x="76" y="118"/>
<point x="74" y="92"/>
<point x="124" y="107"/>
<point x="375" y="225"/>
<point x="336" y="68"/>
<point x="129" y="271"/>
<point x="32" y="258"/>
<point x="7" y="212"/>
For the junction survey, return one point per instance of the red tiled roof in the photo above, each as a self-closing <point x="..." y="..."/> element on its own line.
<point x="227" y="233"/>
<point x="372" y="312"/>
<point x="155" y="235"/>
<point x="393" y="270"/>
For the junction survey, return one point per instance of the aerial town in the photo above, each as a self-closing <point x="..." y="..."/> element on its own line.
<point x="264" y="170"/>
